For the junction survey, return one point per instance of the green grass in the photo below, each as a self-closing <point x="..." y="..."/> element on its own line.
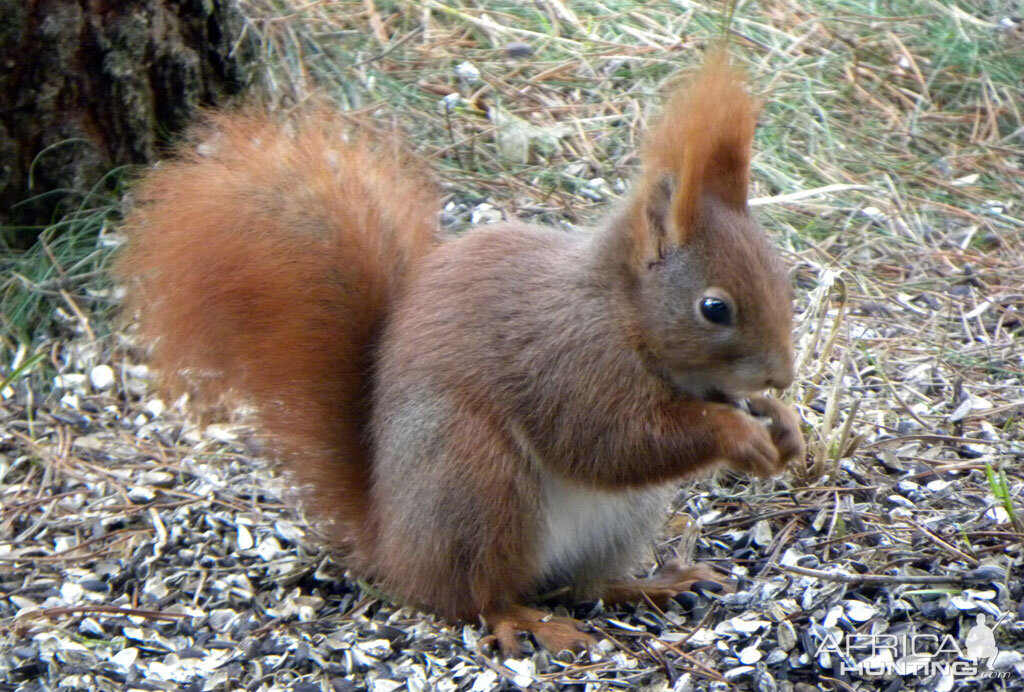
<point x="1000" y="488"/>
<point x="903" y="96"/>
<point x="56" y="289"/>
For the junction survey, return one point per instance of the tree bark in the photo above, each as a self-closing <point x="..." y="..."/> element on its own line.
<point x="90" y="85"/>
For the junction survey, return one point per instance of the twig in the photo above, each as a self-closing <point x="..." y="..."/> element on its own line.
<point x="389" y="49"/>
<point x="845" y="578"/>
<point x="942" y="544"/>
<point x="804" y="194"/>
<point x="113" y="610"/>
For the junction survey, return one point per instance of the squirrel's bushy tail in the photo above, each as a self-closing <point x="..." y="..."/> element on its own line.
<point x="261" y="263"/>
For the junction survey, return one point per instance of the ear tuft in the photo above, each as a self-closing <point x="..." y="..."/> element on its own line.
<point x="703" y="140"/>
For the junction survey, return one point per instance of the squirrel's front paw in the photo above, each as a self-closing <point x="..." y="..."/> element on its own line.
<point x="784" y="427"/>
<point x="747" y="445"/>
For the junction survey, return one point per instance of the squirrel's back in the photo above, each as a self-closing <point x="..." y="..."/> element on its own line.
<point x="264" y="259"/>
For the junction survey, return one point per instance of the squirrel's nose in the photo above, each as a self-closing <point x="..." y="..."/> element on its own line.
<point x="781" y="376"/>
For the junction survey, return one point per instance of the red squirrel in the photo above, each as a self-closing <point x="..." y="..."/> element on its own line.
<point x="475" y="418"/>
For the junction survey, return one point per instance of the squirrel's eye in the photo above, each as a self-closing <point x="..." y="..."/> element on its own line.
<point x="715" y="310"/>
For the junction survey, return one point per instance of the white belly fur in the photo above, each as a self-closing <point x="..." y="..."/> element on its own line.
<point x="588" y="535"/>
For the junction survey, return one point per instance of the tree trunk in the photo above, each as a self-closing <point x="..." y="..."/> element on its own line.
<point x="90" y="85"/>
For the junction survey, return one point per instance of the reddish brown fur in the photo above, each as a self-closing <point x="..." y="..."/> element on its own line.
<point x="263" y="263"/>
<point x="535" y="393"/>
<point x="704" y="139"/>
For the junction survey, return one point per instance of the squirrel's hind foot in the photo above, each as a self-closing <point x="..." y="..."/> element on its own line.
<point x="554" y="633"/>
<point x="669" y="580"/>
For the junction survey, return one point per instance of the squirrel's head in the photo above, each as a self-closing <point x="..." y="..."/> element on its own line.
<point x="713" y="301"/>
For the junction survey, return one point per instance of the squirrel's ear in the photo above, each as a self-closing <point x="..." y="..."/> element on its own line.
<point x="702" y="145"/>
<point x="651" y="220"/>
